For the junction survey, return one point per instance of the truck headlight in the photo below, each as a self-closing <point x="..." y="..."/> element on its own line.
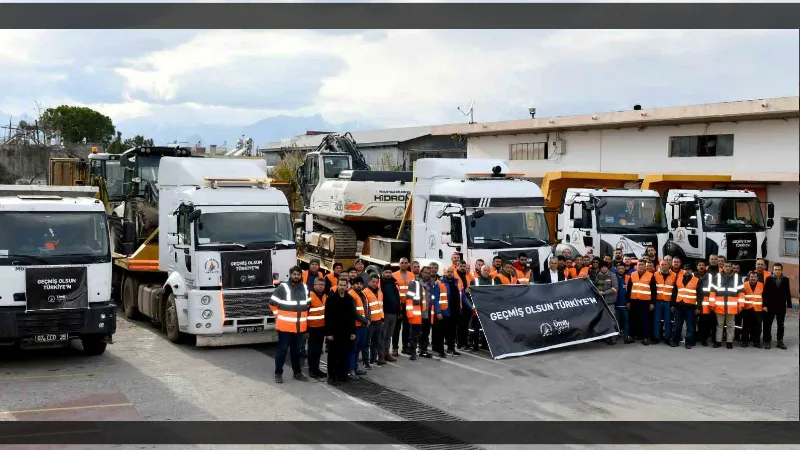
<point x="101" y="325"/>
<point x="205" y="300"/>
<point x="207" y="314"/>
<point x="102" y="316"/>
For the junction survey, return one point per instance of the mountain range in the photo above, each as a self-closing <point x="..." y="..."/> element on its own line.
<point x="262" y="132"/>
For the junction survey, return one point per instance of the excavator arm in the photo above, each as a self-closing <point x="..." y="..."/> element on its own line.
<point x="337" y="143"/>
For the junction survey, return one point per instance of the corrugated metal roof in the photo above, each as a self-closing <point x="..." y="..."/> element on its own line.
<point x="389" y="136"/>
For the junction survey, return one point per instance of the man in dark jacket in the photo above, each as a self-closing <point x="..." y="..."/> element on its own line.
<point x="777" y="299"/>
<point x="391" y="310"/>
<point x="340" y="330"/>
<point x="462" y="326"/>
<point x="552" y="273"/>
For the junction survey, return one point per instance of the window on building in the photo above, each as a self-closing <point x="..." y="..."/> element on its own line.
<point x="789" y="233"/>
<point x="703" y="145"/>
<point x="530" y="151"/>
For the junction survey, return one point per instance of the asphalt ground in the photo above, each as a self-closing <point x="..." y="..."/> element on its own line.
<point x="142" y="376"/>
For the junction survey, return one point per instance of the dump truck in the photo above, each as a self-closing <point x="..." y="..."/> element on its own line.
<point x="55" y="268"/>
<point x="601" y="212"/>
<point x="705" y="218"/>
<point x="226" y="243"/>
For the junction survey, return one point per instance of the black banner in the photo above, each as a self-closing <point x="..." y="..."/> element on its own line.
<point x="741" y="246"/>
<point x="246" y="269"/>
<point x="519" y="320"/>
<point x="56" y="288"/>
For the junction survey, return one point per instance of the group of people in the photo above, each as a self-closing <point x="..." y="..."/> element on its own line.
<point x="368" y="319"/>
<point x="654" y="298"/>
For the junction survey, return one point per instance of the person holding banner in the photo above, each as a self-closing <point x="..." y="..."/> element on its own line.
<point x="641" y="293"/>
<point x="485" y="279"/>
<point x="418" y="313"/>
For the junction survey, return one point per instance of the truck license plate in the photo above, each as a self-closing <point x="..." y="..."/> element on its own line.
<point x="47" y="338"/>
<point x="252" y="329"/>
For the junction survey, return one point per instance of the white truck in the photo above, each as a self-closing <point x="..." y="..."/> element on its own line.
<point x="595" y="212"/>
<point x="472" y="206"/>
<point x="705" y="222"/>
<point x="227" y="243"/>
<point x="55" y="268"/>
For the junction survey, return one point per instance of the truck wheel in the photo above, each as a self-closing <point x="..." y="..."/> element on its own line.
<point x="93" y="345"/>
<point x="130" y="292"/>
<point x="171" y="321"/>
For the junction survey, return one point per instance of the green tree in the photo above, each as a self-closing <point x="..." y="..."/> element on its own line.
<point x="137" y="141"/>
<point x="117" y="146"/>
<point x="76" y="123"/>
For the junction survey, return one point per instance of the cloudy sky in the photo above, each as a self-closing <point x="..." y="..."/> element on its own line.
<point x="389" y="78"/>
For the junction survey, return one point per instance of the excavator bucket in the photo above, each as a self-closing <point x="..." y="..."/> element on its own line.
<point x="555" y="184"/>
<point x="662" y="183"/>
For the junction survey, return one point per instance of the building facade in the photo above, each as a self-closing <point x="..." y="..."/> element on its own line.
<point x="756" y="142"/>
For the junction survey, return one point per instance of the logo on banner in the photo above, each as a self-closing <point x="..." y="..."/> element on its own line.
<point x="212" y="266"/>
<point x="51" y="299"/>
<point x="546" y="329"/>
<point x="561" y="325"/>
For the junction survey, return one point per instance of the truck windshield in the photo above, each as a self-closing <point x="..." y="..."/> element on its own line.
<point x="148" y="168"/>
<point x="728" y="214"/>
<point x="508" y="229"/>
<point x="113" y="177"/>
<point x="244" y="228"/>
<point x="631" y="215"/>
<point x="51" y="237"/>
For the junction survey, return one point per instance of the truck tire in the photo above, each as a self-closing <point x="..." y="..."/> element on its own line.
<point x="171" y="321"/>
<point x="93" y="345"/>
<point x="130" y="291"/>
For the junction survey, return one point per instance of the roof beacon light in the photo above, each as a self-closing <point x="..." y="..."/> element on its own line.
<point x="605" y="189"/>
<point x="94" y="150"/>
<point x="497" y="171"/>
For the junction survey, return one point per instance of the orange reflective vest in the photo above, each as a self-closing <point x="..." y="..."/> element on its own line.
<point x="443" y="300"/>
<point x="359" y="305"/>
<point x="291" y="314"/>
<point x="572" y="272"/>
<point x="724" y="299"/>
<point x="375" y="302"/>
<point x="316" y="313"/>
<point x="402" y="285"/>
<point x="640" y="286"/>
<point x="506" y="280"/>
<point x="687" y="293"/>
<point x="416" y="303"/>
<point x="523" y="277"/>
<point x="664" y="286"/>
<point x="333" y="280"/>
<point x="51" y="245"/>
<point x="752" y="296"/>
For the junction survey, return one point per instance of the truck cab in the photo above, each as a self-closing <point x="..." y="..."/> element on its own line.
<point x="55" y="268"/>
<point x="706" y="222"/>
<point x="109" y="168"/>
<point x="478" y="208"/>
<point x="601" y="220"/>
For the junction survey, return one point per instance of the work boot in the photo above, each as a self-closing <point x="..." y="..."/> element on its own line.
<point x="413" y="357"/>
<point x="390" y="358"/>
<point x="646" y="341"/>
<point x="456" y="353"/>
<point x="406" y="351"/>
<point x="780" y="345"/>
<point x="300" y="377"/>
<point x="704" y="343"/>
<point x="744" y="344"/>
<point x="367" y="366"/>
<point x="674" y="343"/>
<point x="688" y="345"/>
<point x="629" y="340"/>
<point x="380" y="362"/>
<point x="717" y="345"/>
<point x="757" y="344"/>
<point x="395" y="352"/>
<point x="654" y="341"/>
<point x="352" y="377"/>
<point x="767" y="345"/>
<point x="360" y="372"/>
<point x="426" y="355"/>
<point x="442" y="355"/>
<point x="278" y="378"/>
<point x="729" y="345"/>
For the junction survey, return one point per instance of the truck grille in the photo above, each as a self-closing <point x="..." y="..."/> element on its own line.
<point x="64" y="321"/>
<point x="239" y="305"/>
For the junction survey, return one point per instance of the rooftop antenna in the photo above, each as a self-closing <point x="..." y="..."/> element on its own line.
<point x="470" y="112"/>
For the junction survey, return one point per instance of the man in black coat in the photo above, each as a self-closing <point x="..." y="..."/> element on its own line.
<point x="552" y="274"/>
<point x="391" y="311"/>
<point x="776" y="300"/>
<point x="340" y="330"/>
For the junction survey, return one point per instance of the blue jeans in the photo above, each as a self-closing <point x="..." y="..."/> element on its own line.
<point x="622" y="319"/>
<point x="290" y="342"/>
<point x="684" y="313"/>
<point x="662" y="312"/>
<point x="359" y="344"/>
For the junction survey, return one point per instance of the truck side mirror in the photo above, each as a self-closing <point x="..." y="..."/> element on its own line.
<point x="172" y="224"/>
<point x="445" y="225"/>
<point x="673" y="223"/>
<point x="172" y="239"/>
<point x="577" y="211"/>
<point x="308" y="228"/>
<point x="455" y="229"/>
<point x="195" y="214"/>
<point x="770" y="211"/>
<point x="478" y="214"/>
<point x="770" y="223"/>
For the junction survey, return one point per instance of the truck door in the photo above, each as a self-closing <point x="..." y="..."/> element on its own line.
<point x="309" y="177"/>
<point x="686" y="228"/>
<point x="184" y="251"/>
<point x="580" y="231"/>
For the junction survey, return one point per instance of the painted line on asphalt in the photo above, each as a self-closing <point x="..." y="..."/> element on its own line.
<point x="66" y="408"/>
<point x="43" y="377"/>
<point x="464" y="366"/>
